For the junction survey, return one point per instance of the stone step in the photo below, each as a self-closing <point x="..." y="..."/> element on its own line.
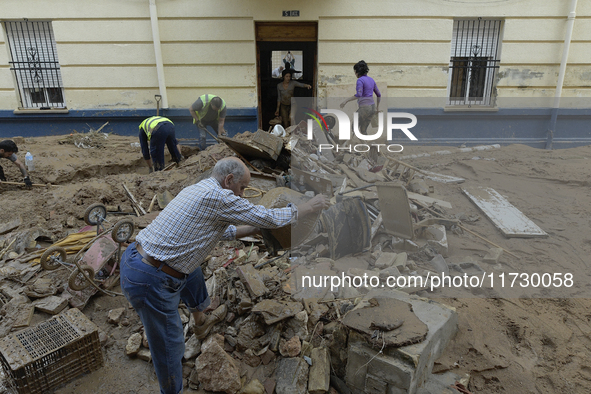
<point x="405" y="369"/>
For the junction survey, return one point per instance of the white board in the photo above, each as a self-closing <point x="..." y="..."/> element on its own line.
<point x="510" y="220"/>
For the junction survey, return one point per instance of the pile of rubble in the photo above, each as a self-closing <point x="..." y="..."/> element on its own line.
<point x="298" y="320"/>
<point x="284" y="336"/>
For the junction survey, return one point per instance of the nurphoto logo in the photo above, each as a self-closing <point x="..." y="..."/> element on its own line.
<point x="389" y="118"/>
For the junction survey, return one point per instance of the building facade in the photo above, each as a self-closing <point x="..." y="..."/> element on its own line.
<point x="69" y="65"/>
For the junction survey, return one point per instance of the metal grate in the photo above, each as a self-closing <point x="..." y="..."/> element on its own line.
<point x="38" y="359"/>
<point x="35" y="64"/>
<point x="474" y="61"/>
<point x="49" y="336"/>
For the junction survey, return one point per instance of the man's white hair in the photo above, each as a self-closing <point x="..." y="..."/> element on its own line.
<point x="228" y="166"/>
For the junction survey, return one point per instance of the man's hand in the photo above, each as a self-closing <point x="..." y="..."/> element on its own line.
<point x="317" y="203"/>
<point x="28" y="183"/>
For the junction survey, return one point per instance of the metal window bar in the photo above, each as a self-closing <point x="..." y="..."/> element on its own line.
<point x="35" y="64"/>
<point x="474" y="61"/>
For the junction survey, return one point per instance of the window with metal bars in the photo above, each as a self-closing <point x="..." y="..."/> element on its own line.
<point x="34" y="64"/>
<point x="474" y="61"/>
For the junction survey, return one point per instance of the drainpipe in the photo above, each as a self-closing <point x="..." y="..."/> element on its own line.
<point x="569" y="33"/>
<point x="158" y="53"/>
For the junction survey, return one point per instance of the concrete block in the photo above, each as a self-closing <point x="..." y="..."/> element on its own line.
<point x="400" y="261"/>
<point x="385" y="260"/>
<point x="408" y="367"/>
<point x="493" y="256"/>
<point x="291" y="376"/>
<point x="319" y="377"/>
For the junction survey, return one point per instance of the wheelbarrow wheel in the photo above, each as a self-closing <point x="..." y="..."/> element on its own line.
<point x="77" y="281"/>
<point x="122" y="231"/>
<point x="95" y="214"/>
<point x="52" y="258"/>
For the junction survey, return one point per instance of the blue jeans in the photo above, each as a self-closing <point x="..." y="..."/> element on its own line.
<point x="164" y="135"/>
<point x="155" y="296"/>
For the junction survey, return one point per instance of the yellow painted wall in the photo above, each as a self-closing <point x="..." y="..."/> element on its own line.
<point x="107" y="56"/>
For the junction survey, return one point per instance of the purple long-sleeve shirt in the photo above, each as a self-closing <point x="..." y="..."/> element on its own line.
<point x="366" y="87"/>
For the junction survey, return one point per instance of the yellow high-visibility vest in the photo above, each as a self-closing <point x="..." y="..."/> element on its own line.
<point x="149" y="124"/>
<point x="206" y="100"/>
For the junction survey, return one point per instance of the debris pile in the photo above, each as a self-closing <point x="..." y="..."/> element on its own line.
<point x="298" y="319"/>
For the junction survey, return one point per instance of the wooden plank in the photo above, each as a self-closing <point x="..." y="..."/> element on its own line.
<point x="442" y="178"/>
<point x="508" y="219"/>
<point x="285" y="31"/>
<point x="428" y="200"/>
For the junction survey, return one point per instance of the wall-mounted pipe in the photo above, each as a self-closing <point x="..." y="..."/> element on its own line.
<point x="570" y="22"/>
<point x="158" y="53"/>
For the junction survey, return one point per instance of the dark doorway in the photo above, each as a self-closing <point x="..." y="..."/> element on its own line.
<point x="274" y="40"/>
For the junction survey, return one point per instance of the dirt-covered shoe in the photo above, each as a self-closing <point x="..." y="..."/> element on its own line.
<point x="211" y="320"/>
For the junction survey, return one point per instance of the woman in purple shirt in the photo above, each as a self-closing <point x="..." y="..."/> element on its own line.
<point x="366" y="87"/>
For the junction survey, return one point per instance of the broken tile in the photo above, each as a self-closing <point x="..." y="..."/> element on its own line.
<point x="252" y="280"/>
<point x="385" y="260"/>
<point x="52" y="304"/>
<point x="274" y="311"/>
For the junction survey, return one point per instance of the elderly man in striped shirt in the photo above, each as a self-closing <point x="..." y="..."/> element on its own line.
<point x="163" y="266"/>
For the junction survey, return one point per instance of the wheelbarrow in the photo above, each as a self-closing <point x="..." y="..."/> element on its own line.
<point x="94" y="263"/>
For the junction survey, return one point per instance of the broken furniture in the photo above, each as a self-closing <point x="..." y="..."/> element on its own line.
<point x="396" y="214"/>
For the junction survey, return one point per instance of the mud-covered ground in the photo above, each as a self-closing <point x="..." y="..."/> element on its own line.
<point x="539" y="344"/>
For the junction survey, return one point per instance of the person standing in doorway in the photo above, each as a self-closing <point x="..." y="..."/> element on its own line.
<point x="285" y="91"/>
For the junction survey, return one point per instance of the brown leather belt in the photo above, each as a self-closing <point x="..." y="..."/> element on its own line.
<point x="158" y="264"/>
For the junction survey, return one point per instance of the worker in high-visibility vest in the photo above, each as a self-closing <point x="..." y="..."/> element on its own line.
<point x="209" y="110"/>
<point x="155" y="132"/>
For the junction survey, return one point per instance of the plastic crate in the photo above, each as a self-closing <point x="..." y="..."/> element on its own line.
<point x="38" y="359"/>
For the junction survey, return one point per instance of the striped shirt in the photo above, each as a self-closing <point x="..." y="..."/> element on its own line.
<point x="191" y="225"/>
